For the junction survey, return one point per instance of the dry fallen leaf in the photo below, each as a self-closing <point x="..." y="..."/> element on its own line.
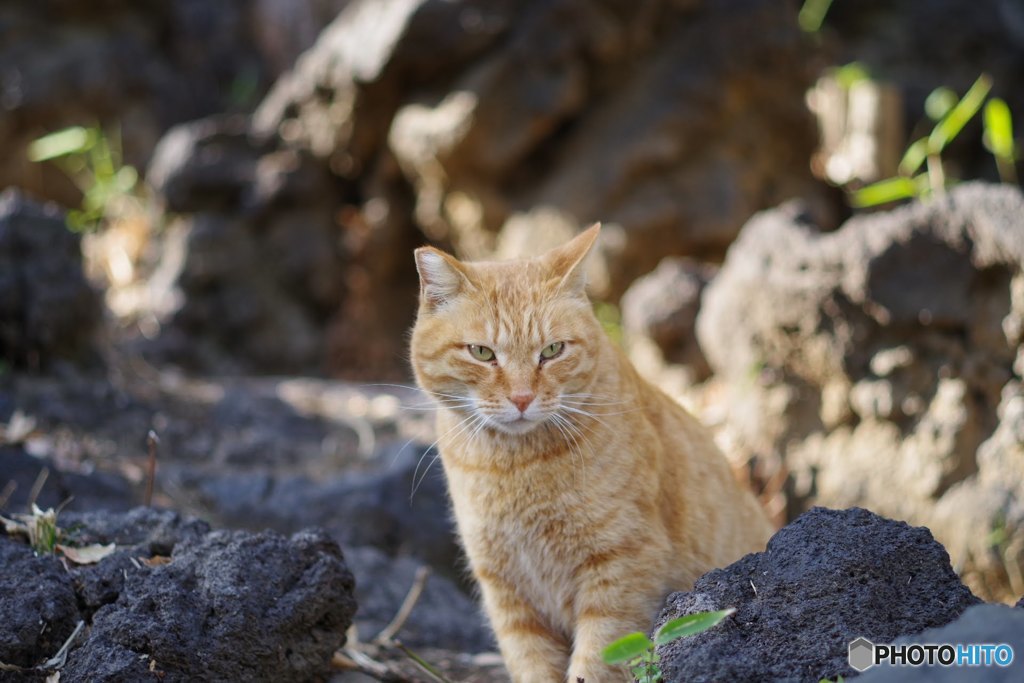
<point x="13" y="526"/>
<point x="17" y="429"/>
<point x="88" y="554"/>
<point x="155" y="561"/>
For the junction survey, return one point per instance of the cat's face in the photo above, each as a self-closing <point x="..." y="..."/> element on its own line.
<point x="512" y="345"/>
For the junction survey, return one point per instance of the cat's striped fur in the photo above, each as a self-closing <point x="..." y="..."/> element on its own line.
<point x="582" y="494"/>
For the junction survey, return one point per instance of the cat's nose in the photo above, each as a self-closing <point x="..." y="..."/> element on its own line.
<point x="522" y="400"/>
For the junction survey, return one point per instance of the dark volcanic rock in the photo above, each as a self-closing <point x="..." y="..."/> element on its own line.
<point x="179" y="601"/>
<point x="825" y="579"/>
<point x="141" y="532"/>
<point x="47" y="309"/>
<point x="400" y="508"/>
<point x="229" y="606"/>
<point x="37" y="604"/>
<point x="93" y="491"/>
<point x="995" y="624"/>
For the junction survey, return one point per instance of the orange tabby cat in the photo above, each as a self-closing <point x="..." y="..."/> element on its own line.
<point x="582" y="494"/>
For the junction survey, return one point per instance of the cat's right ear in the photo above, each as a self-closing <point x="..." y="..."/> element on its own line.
<point x="442" y="276"/>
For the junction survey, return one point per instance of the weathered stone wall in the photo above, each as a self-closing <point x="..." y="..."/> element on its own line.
<point x="882" y="365"/>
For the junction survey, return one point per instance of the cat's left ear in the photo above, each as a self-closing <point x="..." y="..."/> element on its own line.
<point x="442" y="276"/>
<point x="567" y="261"/>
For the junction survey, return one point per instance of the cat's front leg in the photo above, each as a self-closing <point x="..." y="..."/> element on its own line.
<point x="611" y="602"/>
<point x="592" y="635"/>
<point x="533" y="651"/>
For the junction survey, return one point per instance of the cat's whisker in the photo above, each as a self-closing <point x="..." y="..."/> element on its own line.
<point x="396" y="386"/>
<point x="579" y="426"/>
<point x="591" y="399"/>
<point x="438" y="405"/>
<point x="580" y="441"/>
<point x="572" y="452"/>
<point x="579" y="402"/>
<point x="595" y="407"/>
<point x="461" y="425"/>
<point x="566" y="428"/>
<point x="436" y="399"/>
<point x="401" y="450"/>
<point x="593" y="415"/>
<point x="556" y="420"/>
<point x="479" y="428"/>
<point x="411" y="387"/>
<point x="594" y="397"/>
<point x="416" y="483"/>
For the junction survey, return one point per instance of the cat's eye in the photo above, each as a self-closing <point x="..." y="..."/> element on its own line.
<point x="551" y="350"/>
<point x="481" y="353"/>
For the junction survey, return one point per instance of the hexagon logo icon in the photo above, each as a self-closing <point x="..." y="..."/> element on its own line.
<point x="862" y="654"/>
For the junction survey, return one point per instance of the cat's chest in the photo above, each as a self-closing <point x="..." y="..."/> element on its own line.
<point x="535" y="548"/>
<point x="533" y="535"/>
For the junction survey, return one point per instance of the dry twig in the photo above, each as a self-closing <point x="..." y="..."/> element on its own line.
<point x="152" y="441"/>
<point x="37" y="487"/>
<point x="357" y="656"/>
<point x="412" y="597"/>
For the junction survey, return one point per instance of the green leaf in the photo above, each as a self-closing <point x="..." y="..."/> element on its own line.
<point x="998" y="128"/>
<point x="626" y="648"/>
<point x="884" y="191"/>
<point x="812" y="14"/>
<point x="951" y="125"/>
<point x="850" y="74"/>
<point x="125" y="179"/>
<point x="690" y="625"/>
<point x="914" y="157"/>
<point x="939" y="102"/>
<point x="923" y="185"/>
<point x="73" y="140"/>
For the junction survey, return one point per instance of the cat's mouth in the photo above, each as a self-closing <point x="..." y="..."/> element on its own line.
<point x="518" y="425"/>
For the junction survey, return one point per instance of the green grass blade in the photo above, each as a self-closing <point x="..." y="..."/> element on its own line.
<point x="998" y="128"/>
<point x="626" y="648"/>
<point x="914" y="157"/>
<point x="73" y="140"/>
<point x="812" y="14"/>
<point x="951" y="125"/>
<point x="884" y="191"/>
<point x="939" y="102"/>
<point x="689" y="625"/>
<point x="850" y="74"/>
